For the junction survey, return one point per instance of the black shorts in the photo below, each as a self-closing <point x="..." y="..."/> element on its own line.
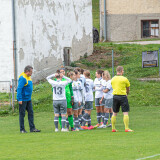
<point x="120" y="101"/>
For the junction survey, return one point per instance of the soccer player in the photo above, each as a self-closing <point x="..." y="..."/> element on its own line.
<point x="88" y="101"/>
<point x="59" y="98"/>
<point x="69" y="97"/>
<point x="108" y="97"/>
<point x="77" y="97"/>
<point x="82" y="79"/>
<point x="121" y="87"/>
<point x="98" y="95"/>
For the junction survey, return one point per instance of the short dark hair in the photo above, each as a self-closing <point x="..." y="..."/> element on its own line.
<point x="76" y="71"/>
<point x="27" y="68"/>
<point x="100" y="72"/>
<point x="58" y="71"/>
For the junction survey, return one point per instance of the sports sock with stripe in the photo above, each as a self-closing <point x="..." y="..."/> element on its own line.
<point x="63" y="121"/>
<point x="56" y="122"/>
<point x="103" y="115"/>
<point x="84" y="119"/>
<point x="111" y="115"/>
<point x="106" y="118"/>
<point x="76" y="122"/>
<point x="67" y="123"/>
<point x="80" y="119"/>
<point x="89" y="120"/>
<point x="99" y="118"/>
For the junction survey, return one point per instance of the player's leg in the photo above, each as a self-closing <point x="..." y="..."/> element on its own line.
<point x="75" y="112"/>
<point x="80" y="114"/>
<point x="116" y="106"/>
<point x="67" y="123"/>
<point x="60" y="119"/>
<point x="98" y="109"/>
<point x="125" y="110"/>
<point x="56" y="114"/>
<point x="63" y="111"/>
<point x="102" y="113"/>
<point x="69" y="112"/>
<point x="84" y="118"/>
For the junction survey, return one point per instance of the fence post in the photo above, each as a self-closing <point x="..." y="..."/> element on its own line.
<point x="112" y="63"/>
<point x="13" y="100"/>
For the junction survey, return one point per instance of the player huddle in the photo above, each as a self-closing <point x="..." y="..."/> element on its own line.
<point x="74" y="95"/>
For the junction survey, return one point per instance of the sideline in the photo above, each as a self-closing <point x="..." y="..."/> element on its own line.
<point x="149" y="157"/>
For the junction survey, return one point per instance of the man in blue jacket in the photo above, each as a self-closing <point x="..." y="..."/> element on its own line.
<point x="24" y="93"/>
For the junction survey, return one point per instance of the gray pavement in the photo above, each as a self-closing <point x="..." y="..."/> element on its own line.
<point x="141" y="42"/>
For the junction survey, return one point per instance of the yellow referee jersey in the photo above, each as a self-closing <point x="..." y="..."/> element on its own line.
<point x="119" y="84"/>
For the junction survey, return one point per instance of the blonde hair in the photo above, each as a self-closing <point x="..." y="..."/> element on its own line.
<point x="107" y="75"/>
<point x="119" y="69"/>
<point x="87" y="73"/>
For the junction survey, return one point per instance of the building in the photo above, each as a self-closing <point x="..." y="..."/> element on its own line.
<point x="128" y="20"/>
<point x="48" y="34"/>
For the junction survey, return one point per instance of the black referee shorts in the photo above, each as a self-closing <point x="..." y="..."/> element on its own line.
<point x="120" y="100"/>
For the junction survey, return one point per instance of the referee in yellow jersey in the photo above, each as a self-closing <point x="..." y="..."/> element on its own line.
<point x="121" y="87"/>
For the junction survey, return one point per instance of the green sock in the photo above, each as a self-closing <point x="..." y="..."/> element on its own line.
<point x="60" y="118"/>
<point x="70" y="119"/>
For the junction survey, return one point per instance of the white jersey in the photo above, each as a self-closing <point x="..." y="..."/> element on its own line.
<point x="98" y="87"/>
<point x="58" y="87"/>
<point x="77" y="89"/>
<point x="83" y="80"/>
<point x="107" y="85"/>
<point x="89" y="86"/>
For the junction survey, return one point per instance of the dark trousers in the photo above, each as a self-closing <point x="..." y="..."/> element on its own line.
<point x="26" y="105"/>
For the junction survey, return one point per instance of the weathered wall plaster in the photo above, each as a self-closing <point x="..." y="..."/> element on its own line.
<point x="45" y="27"/>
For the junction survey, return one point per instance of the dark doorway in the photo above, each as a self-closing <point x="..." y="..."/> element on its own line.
<point x="67" y="52"/>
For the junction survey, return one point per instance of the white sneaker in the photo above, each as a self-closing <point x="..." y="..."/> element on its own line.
<point x="64" y="130"/>
<point x="110" y="125"/>
<point x="56" y="130"/>
<point x="102" y="126"/>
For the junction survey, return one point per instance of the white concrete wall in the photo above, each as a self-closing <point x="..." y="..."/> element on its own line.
<point x="45" y="27"/>
<point x="6" y="43"/>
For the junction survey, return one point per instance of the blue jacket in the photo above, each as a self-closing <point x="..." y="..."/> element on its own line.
<point x="25" y="88"/>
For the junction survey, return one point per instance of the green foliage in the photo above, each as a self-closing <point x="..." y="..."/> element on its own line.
<point x="73" y="64"/>
<point x="95" y="12"/>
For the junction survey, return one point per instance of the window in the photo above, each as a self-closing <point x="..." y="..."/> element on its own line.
<point x="150" y="28"/>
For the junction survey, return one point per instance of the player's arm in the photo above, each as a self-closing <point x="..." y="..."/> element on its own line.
<point x="106" y="90"/>
<point x="101" y="100"/>
<point x="127" y="86"/>
<point x="51" y="76"/>
<point x="52" y="82"/>
<point x="127" y="90"/>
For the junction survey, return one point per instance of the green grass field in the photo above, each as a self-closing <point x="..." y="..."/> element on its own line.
<point x="98" y="143"/>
